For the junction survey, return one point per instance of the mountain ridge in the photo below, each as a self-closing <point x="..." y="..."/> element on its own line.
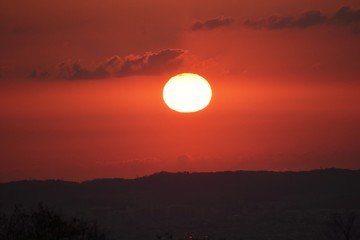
<point x="169" y="173"/>
<point x="245" y="203"/>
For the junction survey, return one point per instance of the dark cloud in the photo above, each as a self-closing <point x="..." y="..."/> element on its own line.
<point x="310" y="18"/>
<point x="41" y="74"/>
<point x="212" y="24"/>
<point x="344" y="16"/>
<point x="74" y="70"/>
<point x="110" y="66"/>
<point x="15" y="29"/>
<point x="275" y="22"/>
<point x="149" y="63"/>
<point x="307" y="19"/>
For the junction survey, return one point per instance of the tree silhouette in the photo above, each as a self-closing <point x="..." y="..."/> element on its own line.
<point x="344" y="226"/>
<point x="44" y="223"/>
<point x="3" y="221"/>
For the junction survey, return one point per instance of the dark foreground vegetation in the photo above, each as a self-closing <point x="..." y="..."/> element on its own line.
<point x="44" y="223"/>
<point x="320" y="204"/>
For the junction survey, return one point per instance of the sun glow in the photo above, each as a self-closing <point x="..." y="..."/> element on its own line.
<point x="187" y="92"/>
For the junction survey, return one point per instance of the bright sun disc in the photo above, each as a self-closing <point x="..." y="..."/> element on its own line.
<point x="187" y="92"/>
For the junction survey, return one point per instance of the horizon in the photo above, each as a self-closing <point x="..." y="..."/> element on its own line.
<point x="184" y="173"/>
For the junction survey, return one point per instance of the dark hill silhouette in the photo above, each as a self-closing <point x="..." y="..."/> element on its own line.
<point x="242" y="204"/>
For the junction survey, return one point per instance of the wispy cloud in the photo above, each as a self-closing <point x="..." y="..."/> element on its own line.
<point x="212" y="23"/>
<point x="149" y="63"/>
<point x="344" y="16"/>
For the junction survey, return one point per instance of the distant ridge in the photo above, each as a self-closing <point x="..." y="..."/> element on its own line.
<point x="245" y="203"/>
<point x="216" y="186"/>
<point x="166" y="173"/>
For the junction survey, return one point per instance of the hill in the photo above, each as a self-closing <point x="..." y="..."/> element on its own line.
<point x="232" y="205"/>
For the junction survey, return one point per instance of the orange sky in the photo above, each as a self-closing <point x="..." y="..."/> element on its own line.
<point x="81" y="86"/>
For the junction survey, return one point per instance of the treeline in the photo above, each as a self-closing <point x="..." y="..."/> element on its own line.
<point x="44" y="223"/>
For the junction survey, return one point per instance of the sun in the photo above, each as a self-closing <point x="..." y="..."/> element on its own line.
<point x="187" y="92"/>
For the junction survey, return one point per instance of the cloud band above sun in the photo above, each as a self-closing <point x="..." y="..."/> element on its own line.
<point x="212" y="23"/>
<point x="149" y="63"/>
<point x="344" y="16"/>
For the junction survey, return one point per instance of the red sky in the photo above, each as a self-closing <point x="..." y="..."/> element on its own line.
<point x="81" y="86"/>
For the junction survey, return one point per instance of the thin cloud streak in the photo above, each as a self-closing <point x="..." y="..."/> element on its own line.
<point x="345" y="16"/>
<point x="212" y="23"/>
<point x="149" y="63"/>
